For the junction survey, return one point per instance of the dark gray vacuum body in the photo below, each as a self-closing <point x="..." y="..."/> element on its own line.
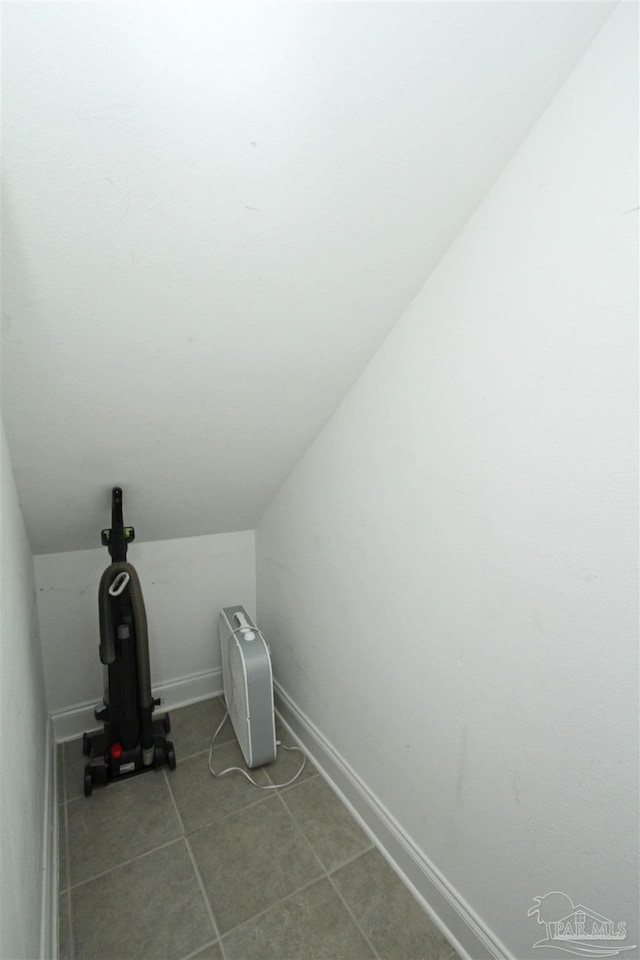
<point x="131" y="741"/>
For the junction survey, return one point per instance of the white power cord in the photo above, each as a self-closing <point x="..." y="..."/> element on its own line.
<point x="262" y="786"/>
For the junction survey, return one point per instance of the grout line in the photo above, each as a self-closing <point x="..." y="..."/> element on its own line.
<point x="69" y="911"/>
<point x="219" y="745"/>
<point x="349" y="860"/>
<point x="195" y="868"/>
<point x="71" y="928"/>
<point x="353" y="916"/>
<point x="194" y="953"/>
<point x="281" y="793"/>
<point x="297" y="783"/>
<point x="65" y="911"/>
<point x="238" y="809"/>
<point x="272" y="906"/>
<point x="124" y="863"/>
<point x="289" y="896"/>
<point x="411" y="864"/>
<point x="174" y="804"/>
<point x="327" y="876"/>
<point x="304" y="836"/>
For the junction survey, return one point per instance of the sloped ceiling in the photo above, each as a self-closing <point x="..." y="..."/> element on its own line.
<point x="214" y="213"/>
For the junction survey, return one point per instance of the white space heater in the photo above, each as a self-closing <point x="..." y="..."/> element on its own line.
<point x="248" y="685"/>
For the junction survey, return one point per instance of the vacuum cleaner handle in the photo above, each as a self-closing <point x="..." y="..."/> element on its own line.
<point x="118" y="536"/>
<point x="117" y="540"/>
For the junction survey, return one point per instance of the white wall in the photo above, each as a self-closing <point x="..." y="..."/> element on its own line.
<point x="214" y="213"/>
<point x="448" y="578"/>
<point x="23" y="720"/>
<point x="184" y="584"/>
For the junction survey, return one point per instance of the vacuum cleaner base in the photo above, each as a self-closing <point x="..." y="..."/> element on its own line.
<point x="116" y="763"/>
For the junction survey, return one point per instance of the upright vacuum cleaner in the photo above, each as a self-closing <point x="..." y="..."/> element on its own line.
<point x="131" y="741"/>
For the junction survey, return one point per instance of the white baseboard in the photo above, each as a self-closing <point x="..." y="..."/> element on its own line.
<point x="68" y="725"/>
<point x="50" y="859"/>
<point x="186" y="690"/>
<point x="450" y="912"/>
<point x="71" y="723"/>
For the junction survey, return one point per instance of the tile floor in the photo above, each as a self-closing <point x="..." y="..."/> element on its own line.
<point x="181" y="865"/>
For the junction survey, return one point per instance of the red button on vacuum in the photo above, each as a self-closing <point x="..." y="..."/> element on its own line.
<point x="116" y="751"/>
